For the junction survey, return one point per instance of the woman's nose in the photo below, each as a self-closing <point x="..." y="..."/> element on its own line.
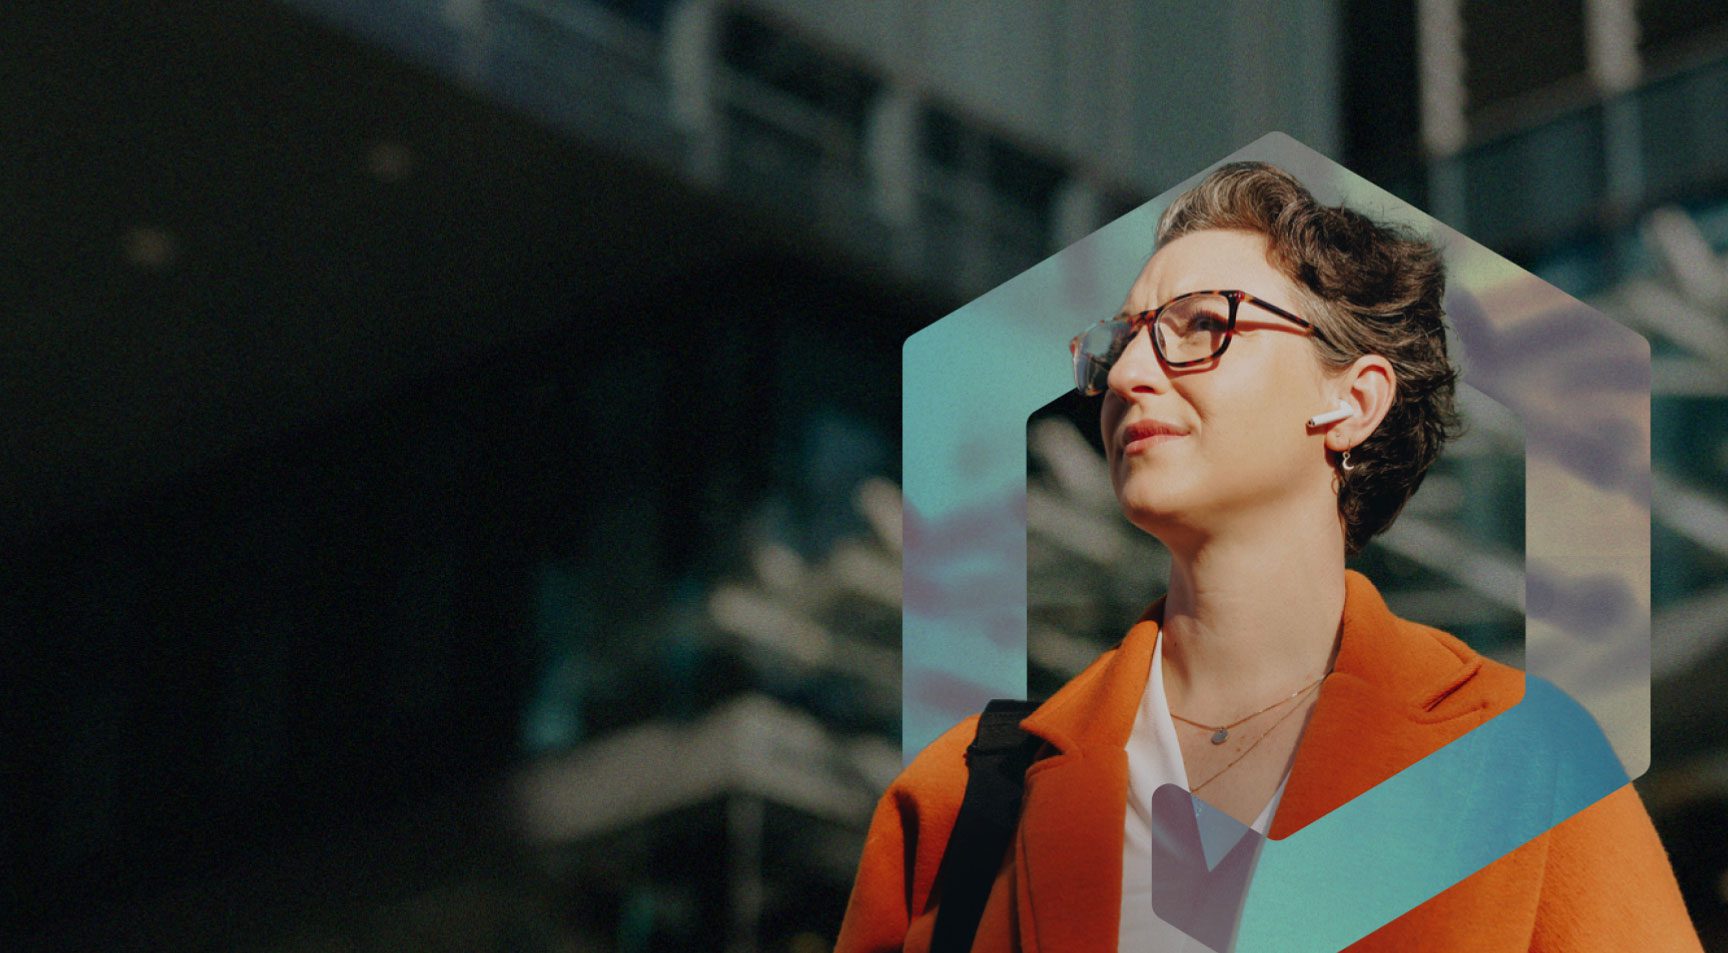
<point x="1138" y="367"/>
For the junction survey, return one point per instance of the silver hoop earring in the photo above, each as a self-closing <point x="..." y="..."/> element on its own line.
<point x="1345" y="464"/>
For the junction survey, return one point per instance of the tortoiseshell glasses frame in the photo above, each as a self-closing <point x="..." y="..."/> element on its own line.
<point x="1096" y="349"/>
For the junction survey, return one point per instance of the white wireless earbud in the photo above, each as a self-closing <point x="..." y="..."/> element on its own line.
<point x="1332" y="416"/>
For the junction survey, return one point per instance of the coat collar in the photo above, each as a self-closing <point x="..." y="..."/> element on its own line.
<point x="1397" y="692"/>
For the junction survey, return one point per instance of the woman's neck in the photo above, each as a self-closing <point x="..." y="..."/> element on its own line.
<point x="1246" y="624"/>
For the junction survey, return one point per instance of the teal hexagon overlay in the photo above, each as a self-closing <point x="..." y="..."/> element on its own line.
<point x="1580" y="385"/>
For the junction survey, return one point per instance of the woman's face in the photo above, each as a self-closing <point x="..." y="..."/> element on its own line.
<point x="1241" y="453"/>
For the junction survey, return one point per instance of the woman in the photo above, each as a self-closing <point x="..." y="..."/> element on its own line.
<point x="1273" y="391"/>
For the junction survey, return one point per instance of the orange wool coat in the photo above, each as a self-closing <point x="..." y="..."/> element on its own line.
<point x="1598" y="881"/>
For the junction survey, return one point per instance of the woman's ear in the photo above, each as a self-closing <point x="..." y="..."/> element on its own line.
<point x="1369" y="385"/>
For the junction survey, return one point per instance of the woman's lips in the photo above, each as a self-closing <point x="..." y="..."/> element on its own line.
<point x="1148" y="442"/>
<point x="1143" y="435"/>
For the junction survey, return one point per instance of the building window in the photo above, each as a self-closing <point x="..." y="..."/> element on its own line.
<point x="1515" y="48"/>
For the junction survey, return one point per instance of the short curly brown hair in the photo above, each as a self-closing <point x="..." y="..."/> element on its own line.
<point x="1370" y="289"/>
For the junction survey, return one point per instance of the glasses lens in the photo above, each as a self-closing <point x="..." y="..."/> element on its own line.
<point x="1099" y="348"/>
<point x="1192" y="329"/>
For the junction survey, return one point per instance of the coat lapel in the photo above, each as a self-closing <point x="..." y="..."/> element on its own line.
<point x="1071" y="824"/>
<point x="1379" y="711"/>
<point x="1398" y="692"/>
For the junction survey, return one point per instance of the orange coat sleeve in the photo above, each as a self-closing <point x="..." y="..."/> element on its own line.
<point x="903" y="848"/>
<point x="1609" y="886"/>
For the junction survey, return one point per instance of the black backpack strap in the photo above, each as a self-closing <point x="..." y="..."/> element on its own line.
<point x="997" y="761"/>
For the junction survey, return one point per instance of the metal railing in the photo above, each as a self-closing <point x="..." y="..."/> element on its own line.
<point x="1596" y="165"/>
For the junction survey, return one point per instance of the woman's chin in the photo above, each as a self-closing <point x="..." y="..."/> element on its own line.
<point x="1154" y="513"/>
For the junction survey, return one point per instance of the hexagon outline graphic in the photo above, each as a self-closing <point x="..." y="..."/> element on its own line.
<point x="1578" y="382"/>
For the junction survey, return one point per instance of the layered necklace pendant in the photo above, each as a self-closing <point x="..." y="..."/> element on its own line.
<point x="1221" y="733"/>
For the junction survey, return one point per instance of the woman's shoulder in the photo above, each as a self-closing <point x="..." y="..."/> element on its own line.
<point x="935" y="779"/>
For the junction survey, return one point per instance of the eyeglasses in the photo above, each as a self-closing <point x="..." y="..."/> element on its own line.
<point x="1188" y="329"/>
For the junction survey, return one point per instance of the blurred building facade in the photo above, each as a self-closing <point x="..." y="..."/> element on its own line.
<point x="578" y="568"/>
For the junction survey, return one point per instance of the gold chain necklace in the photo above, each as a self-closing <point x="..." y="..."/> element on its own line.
<point x="1245" y="751"/>
<point x="1221" y="733"/>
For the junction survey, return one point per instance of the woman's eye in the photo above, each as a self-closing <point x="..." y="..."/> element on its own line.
<point x="1201" y="324"/>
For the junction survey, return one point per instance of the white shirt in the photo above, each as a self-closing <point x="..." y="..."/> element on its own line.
<point x="1155" y="758"/>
